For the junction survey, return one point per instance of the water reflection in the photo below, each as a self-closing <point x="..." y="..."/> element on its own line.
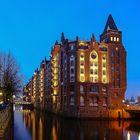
<point x="41" y="126"/>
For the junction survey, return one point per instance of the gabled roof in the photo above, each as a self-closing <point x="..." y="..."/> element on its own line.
<point x="110" y="24"/>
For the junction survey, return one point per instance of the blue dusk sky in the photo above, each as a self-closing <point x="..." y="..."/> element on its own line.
<point x="29" y="28"/>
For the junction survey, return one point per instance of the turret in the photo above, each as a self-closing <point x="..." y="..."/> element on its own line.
<point x="111" y="34"/>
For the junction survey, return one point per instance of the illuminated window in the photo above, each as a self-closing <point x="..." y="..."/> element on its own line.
<point x="95" y="71"/>
<point x="82" y="56"/>
<point x="111" y="38"/>
<point x="82" y="63"/>
<point x="94" y="79"/>
<point x="104" y="64"/>
<point x="104" y="72"/>
<point x="104" y="80"/>
<point x="91" y="71"/>
<point x="82" y="78"/>
<point x="117" y="48"/>
<point x="104" y="57"/>
<point x="95" y="64"/>
<point x="115" y="39"/>
<point x="91" y="79"/>
<point x="82" y="101"/>
<point x="91" y="64"/>
<point x="104" y="88"/>
<point x="81" y="71"/>
<point x="93" y="67"/>
<point x="93" y="56"/>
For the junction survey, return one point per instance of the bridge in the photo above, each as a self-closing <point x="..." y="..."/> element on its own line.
<point x="22" y="103"/>
<point x="132" y="108"/>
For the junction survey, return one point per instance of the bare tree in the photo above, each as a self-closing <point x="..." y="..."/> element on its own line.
<point x="10" y="77"/>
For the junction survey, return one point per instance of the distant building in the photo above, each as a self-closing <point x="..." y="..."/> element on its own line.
<point x="84" y="78"/>
<point x="138" y="99"/>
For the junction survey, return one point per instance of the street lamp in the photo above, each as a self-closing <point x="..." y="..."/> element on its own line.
<point x="14" y="96"/>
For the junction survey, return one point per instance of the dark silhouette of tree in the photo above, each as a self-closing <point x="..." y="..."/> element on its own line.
<point x="10" y="77"/>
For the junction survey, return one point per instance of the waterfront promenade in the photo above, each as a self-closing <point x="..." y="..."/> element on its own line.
<point x="6" y="123"/>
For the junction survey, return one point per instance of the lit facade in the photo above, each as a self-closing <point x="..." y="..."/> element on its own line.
<point x="86" y="78"/>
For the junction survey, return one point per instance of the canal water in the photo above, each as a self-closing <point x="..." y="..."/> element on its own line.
<point x="33" y="125"/>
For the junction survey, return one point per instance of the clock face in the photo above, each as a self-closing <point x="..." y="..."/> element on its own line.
<point x="93" y="56"/>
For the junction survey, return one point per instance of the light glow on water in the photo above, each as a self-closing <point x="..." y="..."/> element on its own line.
<point x="128" y="135"/>
<point x="36" y="125"/>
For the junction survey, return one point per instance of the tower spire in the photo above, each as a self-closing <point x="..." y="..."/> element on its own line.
<point x="110" y="24"/>
<point x="62" y="37"/>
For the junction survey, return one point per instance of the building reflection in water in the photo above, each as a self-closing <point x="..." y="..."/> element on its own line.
<point x="47" y="127"/>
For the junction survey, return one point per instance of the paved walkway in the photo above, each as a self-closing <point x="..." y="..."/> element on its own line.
<point x="5" y="116"/>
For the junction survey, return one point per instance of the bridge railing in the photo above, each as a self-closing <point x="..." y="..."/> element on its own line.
<point x="4" y="116"/>
<point x="23" y="103"/>
<point x="132" y="107"/>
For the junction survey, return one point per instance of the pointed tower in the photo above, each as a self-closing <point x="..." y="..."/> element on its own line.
<point x="62" y="38"/>
<point x="116" y="62"/>
<point x="110" y="25"/>
<point x="111" y="32"/>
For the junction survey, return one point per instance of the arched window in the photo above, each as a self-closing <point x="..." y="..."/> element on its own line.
<point x="72" y="59"/>
<point x="72" y="71"/>
<point x="82" y="101"/>
<point x="82" y="67"/>
<point x="104" y="68"/>
<point x="95" y="101"/>
<point x="91" y="102"/>
<point x="93" y="67"/>
<point x="72" y="101"/>
<point x="81" y="88"/>
<point x="82" y="56"/>
<point x="105" y="101"/>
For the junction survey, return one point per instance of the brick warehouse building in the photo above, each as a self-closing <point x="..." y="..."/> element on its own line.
<point x="83" y="78"/>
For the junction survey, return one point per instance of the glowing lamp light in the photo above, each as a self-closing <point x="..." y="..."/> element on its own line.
<point x="1" y="93"/>
<point x="14" y="96"/>
<point x="123" y="101"/>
